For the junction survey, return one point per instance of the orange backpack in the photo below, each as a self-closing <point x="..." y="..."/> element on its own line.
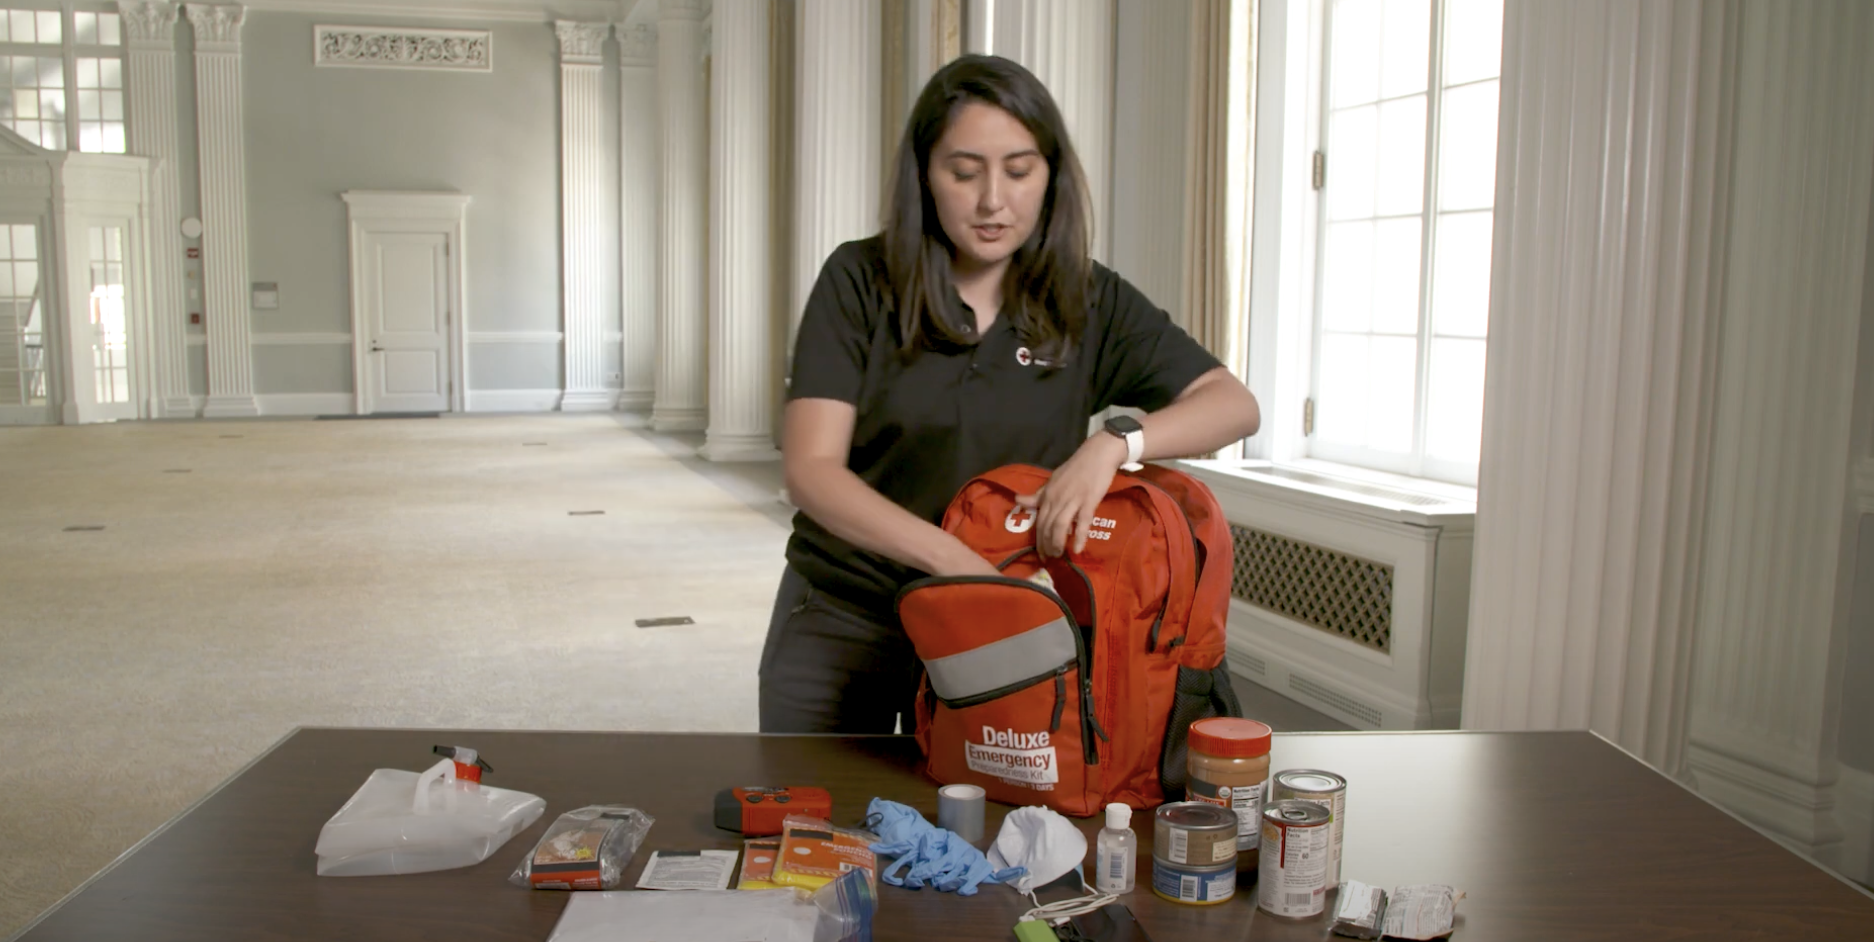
<point x="1080" y="694"/>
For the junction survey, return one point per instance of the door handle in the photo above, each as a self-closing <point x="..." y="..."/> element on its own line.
<point x="375" y="348"/>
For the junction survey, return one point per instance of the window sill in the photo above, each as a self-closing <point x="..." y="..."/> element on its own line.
<point x="1373" y="494"/>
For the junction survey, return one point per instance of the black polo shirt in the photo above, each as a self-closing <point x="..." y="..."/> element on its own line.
<point x="929" y="423"/>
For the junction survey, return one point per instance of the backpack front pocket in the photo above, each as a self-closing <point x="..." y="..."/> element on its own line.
<point x="1006" y="666"/>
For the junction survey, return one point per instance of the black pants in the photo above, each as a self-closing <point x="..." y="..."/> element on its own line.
<point x="831" y="667"/>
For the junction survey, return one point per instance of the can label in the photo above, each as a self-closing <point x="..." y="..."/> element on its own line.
<point x="1245" y="800"/>
<point x="1293" y="877"/>
<point x="1336" y="804"/>
<point x="1185" y="885"/>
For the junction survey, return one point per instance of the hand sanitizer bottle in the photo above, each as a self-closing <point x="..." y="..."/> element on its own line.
<point x="1116" y="852"/>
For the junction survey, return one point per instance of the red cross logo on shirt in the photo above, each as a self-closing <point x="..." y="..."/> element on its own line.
<point x="1024" y="357"/>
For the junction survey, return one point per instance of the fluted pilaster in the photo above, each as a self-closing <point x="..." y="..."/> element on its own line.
<point x="1068" y="45"/>
<point x="741" y="325"/>
<point x="150" y="27"/>
<point x="837" y="119"/>
<point x="638" y="232"/>
<point x="1773" y="610"/>
<point x="682" y="321"/>
<point x="582" y="174"/>
<point x="222" y="155"/>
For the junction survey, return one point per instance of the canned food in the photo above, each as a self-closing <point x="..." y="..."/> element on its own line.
<point x="1295" y="840"/>
<point x="1199" y="886"/>
<point x="1194" y="833"/>
<point x="1327" y="790"/>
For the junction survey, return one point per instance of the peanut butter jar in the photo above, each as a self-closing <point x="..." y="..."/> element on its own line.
<point x="1229" y="767"/>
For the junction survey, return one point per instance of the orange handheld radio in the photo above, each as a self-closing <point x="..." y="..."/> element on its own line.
<point x="758" y="810"/>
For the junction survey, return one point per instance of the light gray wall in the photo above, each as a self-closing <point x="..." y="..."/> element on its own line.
<point x="314" y="133"/>
<point x="1857" y="695"/>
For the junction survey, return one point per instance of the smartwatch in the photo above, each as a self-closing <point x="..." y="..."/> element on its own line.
<point x="1128" y="428"/>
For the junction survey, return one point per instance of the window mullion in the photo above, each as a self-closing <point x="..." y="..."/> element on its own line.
<point x="1434" y="110"/>
<point x="1319" y="267"/>
<point x="70" y="46"/>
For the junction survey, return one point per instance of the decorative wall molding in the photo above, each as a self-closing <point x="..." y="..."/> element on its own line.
<point x="681" y="394"/>
<point x="449" y="11"/>
<point x="1068" y="45"/>
<point x="1592" y="624"/>
<point x="319" y="339"/>
<point x="637" y="45"/>
<point x="516" y="336"/>
<point x="153" y="134"/>
<point x="371" y="47"/>
<point x="581" y="43"/>
<point x="148" y="24"/>
<point x="1767" y="681"/>
<point x="586" y="276"/>
<point x="741" y="323"/>
<point x="221" y="148"/>
<point x="305" y="403"/>
<point x="217" y="26"/>
<point x="513" y="400"/>
<point x="33" y="175"/>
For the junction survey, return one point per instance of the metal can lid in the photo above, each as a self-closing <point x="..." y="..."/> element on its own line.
<point x="1296" y="813"/>
<point x="1310" y="780"/>
<point x="1197" y="816"/>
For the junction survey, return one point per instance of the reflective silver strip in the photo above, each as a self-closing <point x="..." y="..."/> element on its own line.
<point x="1025" y="656"/>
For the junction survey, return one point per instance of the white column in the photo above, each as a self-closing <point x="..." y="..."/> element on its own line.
<point x="1605" y="300"/>
<point x="1147" y="223"/>
<point x="682" y="322"/>
<point x="150" y="26"/>
<point x="637" y="221"/>
<point x="836" y="163"/>
<point x="1068" y="45"/>
<point x="582" y="188"/>
<point x="741" y="325"/>
<point x="223" y="158"/>
<point x="1774" y="603"/>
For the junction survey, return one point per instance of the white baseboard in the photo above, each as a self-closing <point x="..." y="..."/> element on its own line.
<point x="739" y="448"/>
<point x="180" y="407"/>
<point x="679" y="420"/>
<point x="305" y="404"/>
<point x="636" y="400"/>
<point x="1259" y="651"/>
<point x="1796" y="813"/>
<point x="587" y="400"/>
<point x="513" y="400"/>
<point x="1854" y="809"/>
<point x="229" y="407"/>
<point x="26" y="415"/>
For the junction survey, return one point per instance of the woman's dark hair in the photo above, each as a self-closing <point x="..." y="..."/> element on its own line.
<point x="1045" y="289"/>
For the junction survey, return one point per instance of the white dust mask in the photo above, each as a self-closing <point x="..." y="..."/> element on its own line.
<point x="1043" y="842"/>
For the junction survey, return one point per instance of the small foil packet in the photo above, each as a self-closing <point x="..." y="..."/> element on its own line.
<point x="1360" y="912"/>
<point x="1421" y="912"/>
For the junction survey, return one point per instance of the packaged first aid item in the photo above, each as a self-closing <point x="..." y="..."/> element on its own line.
<point x="687" y="870"/>
<point x="814" y="853"/>
<point x="842" y="911"/>
<point x="1421" y="912"/>
<point x="409" y="822"/>
<point x="585" y="849"/>
<point x="758" y="864"/>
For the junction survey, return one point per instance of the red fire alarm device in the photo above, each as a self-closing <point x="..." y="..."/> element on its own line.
<point x="195" y="251"/>
<point x="758" y="810"/>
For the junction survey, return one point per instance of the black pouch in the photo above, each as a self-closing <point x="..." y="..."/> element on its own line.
<point x="1200" y="695"/>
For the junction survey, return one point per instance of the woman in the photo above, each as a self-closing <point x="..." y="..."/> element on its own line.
<point x="973" y="332"/>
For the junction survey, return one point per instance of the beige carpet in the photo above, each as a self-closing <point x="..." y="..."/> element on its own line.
<point x="421" y="572"/>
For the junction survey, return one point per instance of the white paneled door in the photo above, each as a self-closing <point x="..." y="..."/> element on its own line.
<point x="407" y="306"/>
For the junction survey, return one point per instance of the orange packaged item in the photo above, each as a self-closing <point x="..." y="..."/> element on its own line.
<point x="758" y="864"/>
<point x="815" y="853"/>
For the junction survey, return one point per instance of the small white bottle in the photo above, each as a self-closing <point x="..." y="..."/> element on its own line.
<point x="1116" y="852"/>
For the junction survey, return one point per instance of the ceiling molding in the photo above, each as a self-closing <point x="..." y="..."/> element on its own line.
<point x="513" y="11"/>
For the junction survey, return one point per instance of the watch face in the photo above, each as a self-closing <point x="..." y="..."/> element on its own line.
<point x="1123" y="425"/>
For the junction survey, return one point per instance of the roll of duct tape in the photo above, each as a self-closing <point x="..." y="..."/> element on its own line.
<point x="960" y="810"/>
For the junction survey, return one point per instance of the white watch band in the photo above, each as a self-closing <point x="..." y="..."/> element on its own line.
<point x="1135" y="446"/>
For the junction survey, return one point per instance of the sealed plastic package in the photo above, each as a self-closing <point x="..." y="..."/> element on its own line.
<point x="406" y="822"/>
<point x="584" y="849"/>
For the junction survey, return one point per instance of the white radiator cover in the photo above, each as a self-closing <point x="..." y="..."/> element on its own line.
<point x="1415" y="681"/>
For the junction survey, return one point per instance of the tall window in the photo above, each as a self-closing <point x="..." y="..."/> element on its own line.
<point x="1402" y="289"/>
<point x="63" y="77"/>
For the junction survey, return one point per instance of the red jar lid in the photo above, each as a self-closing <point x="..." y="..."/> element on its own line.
<point x="1230" y="737"/>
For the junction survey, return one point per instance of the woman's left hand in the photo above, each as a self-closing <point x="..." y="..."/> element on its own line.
<point x="1067" y="502"/>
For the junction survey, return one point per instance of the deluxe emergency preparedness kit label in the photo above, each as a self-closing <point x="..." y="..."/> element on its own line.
<point x="1023" y="758"/>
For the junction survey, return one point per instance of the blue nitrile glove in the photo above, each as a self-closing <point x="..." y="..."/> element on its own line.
<point x="928" y="854"/>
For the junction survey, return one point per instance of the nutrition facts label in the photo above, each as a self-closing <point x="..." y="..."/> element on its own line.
<point x="1245" y="800"/>
<point x="1296" y="884"/>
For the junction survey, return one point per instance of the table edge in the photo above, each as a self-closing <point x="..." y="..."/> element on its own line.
<point x="1772" y="838"/>
<point x="153" y="835"/>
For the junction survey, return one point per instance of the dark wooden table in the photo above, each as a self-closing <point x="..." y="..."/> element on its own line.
<point x="1551" y="835"/>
